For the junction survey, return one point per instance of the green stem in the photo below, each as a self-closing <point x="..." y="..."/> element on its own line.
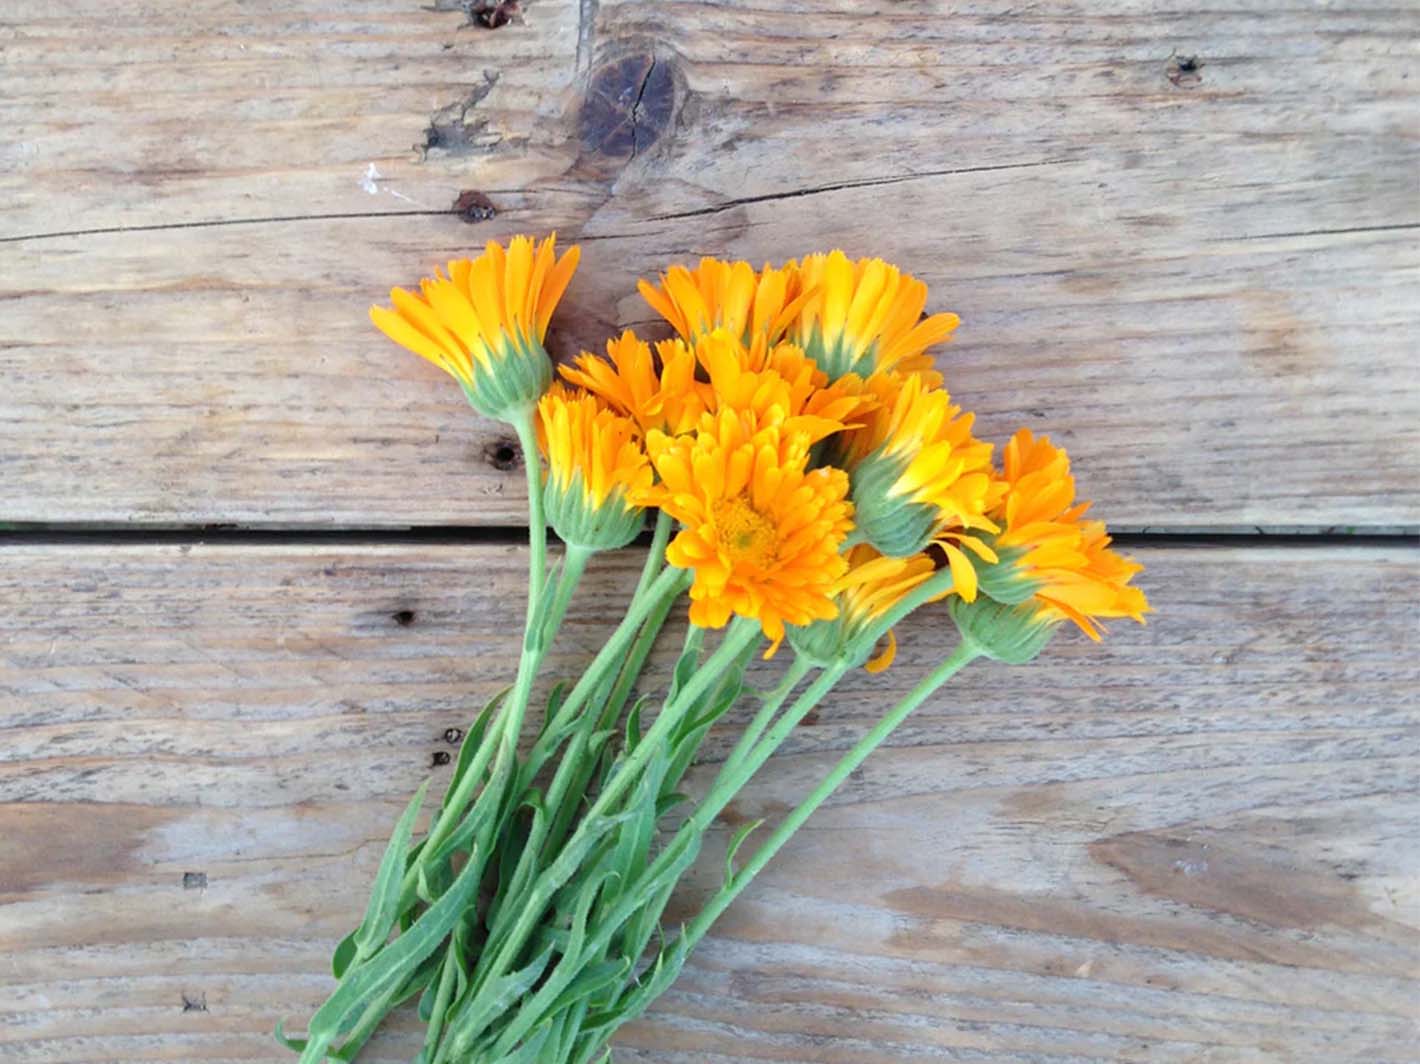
<point x="656" y="556"/>
<point x="959" y="658"/>
<point x="737" y="639"/>
<point x="668" y="585"/>
<point x="575" y="770"/>
<point x="537" y="523"/>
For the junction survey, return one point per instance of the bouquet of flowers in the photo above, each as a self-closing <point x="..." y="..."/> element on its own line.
<point x="808" y="480"/>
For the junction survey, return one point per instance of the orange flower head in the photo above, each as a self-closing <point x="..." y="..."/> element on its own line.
<point x="595" y="465"/>
<point x="725" y="295"/>
<point x="1049" y="557"/>
<point x="864" y="316"/>
<point x="761" y="530"/>
<point x="484" y="324"/>
<point x="773" y="385"/>
<point x="872" y="585"/>
<point x="919" y="475"/>
<point x="659" y="392"/>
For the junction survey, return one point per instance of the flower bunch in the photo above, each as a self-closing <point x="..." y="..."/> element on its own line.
<point x="808" y="480"/>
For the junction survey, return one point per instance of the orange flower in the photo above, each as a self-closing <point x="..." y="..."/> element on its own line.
<point x="919" y="475"/>
<point x="725" y="295"/>
<point x="1048" y="554"/>
<point x="865" y="316"/>
<point x="872" y="585"/>
<point x="665" y="396"/>
<point x="485" y="323"/>
<point x="761" y="530"/>
<point x="595" y="463"/>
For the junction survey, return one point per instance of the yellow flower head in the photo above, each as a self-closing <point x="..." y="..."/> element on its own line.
<point x="865" y="316"/>
<point x="773" y="385"/>
<point x="1048" y="555"/>
<point x="656" y="393"/>
<point x="725" y="295"/>
<point x="920" y="475"/>
<point x="761" y="530"/>
<point x="484" y="324"/>
<point x="595" y="465"/>
<point x="872" y="585"/>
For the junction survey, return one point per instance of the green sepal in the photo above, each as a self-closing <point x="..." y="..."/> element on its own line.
<point x="610" y="526"/>
<point x="518" y="376"/>
<point x="1010" y="634"/>
<point x="1005" y="580"/>
<point x="894" y="524"/>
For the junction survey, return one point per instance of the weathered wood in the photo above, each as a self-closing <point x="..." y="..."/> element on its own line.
<point x="1183" y="241"/>
<point x="1195" y="842"/>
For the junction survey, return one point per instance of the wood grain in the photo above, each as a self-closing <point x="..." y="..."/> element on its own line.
<point x="1197" y="842"/>
<point x="1181" y="240"/>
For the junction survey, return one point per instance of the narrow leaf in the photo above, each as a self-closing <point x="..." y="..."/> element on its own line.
<point x="383" y="909"/>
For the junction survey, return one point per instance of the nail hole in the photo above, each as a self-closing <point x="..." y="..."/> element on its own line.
<point x="503" y="454"/>
<point x="441" y="757"/>
<point x="194" y="1002"/>
<point x="194" y="881"/>
<point x="452" y="735"/>
<point x="403" y="618"/>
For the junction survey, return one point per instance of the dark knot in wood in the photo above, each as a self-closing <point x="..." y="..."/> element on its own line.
<point x="629" y="104"/>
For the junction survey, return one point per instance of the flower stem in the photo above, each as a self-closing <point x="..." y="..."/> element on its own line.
<point x="737" y="639"/>
<point x="959" y="658"/>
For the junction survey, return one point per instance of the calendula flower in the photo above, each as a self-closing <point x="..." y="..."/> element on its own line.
<point x="872" y="585"/>
<point x="761" y="530"/>
<point x="864" y="316"/>
<point x="919" y="475"/>
<point x="484" y="324"/>
<point x="658" y="392"/>
<point x="595" y="464"/>
<point x="725" y="295"/>
<point x="773" y="385"/>
<point x="1051" y="559"/>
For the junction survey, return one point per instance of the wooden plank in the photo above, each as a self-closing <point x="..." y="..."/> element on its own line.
<point x="1195" y="842"/>
<point x="1201" y="279"/>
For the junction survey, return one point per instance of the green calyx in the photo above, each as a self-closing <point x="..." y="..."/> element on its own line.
<point x="512" y="385"/>
<point x="839" y="359"/>
<point x="1006" y="580"/>
<point x="577" y="521"/>
<point x="894" y="524"/>
<point x="1010" y="634"/>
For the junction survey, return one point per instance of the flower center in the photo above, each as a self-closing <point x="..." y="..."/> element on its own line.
<point x="746" y="535"/>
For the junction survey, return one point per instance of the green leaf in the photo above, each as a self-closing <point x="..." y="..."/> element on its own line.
<point x="667" y="802"/>
<point x="344" y="954"/>
<point x="472" y="741"/>
<point x="296" y="1045"/>
<point x="736" y="841"/>
<point x="633" y="726"/>
<point x="391" y="965"/>
<point x="383" y="909"/>
<point x="472" y="1015"/>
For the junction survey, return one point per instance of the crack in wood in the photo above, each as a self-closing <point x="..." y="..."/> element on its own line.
<point x="841" y="186"/>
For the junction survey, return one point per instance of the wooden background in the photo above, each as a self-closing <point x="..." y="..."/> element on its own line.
<point x="255" y="561"/>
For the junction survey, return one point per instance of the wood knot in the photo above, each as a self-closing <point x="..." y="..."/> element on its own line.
<point x="629" y="104"/>
<point x="492" y="14"/>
